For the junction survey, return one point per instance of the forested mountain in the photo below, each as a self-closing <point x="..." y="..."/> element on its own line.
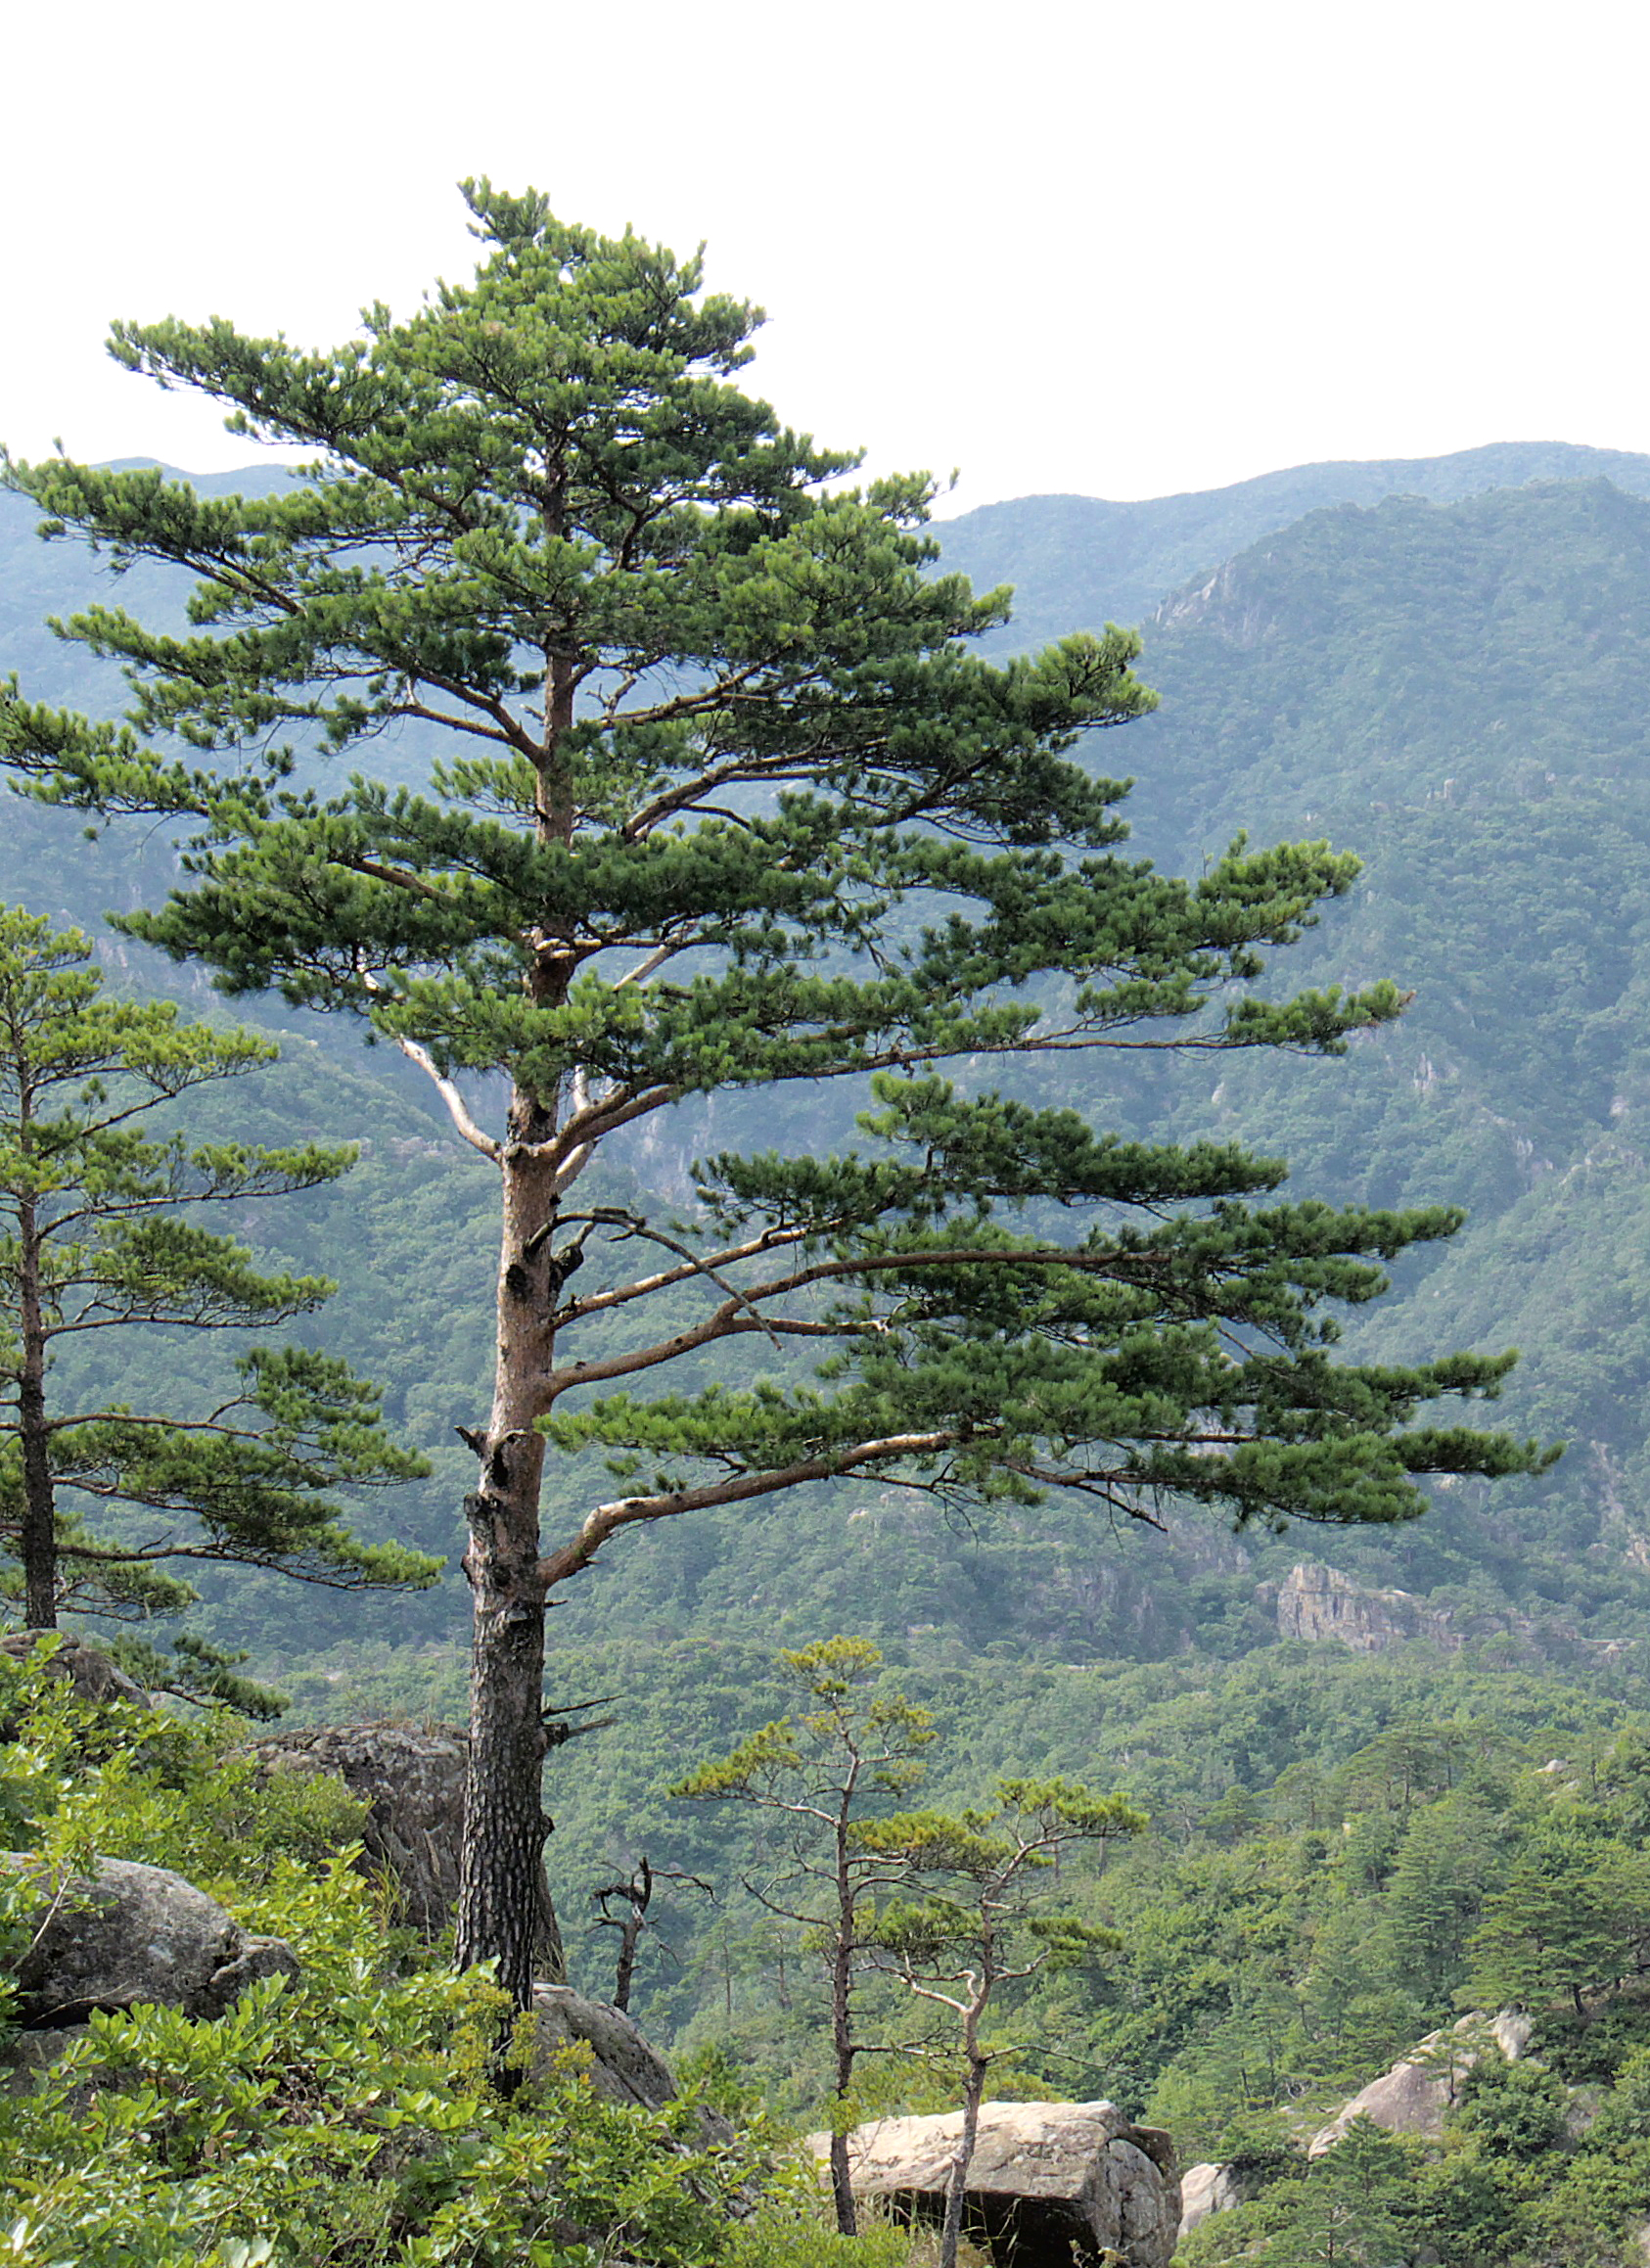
<point x="1436" y="664"/>
<point x="1077" y="562"/>
<point x="1457" y="690"/>
<point x="1444" y="666"/>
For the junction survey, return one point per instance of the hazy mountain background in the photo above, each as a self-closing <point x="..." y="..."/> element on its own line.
<point x="1443" y="664"/>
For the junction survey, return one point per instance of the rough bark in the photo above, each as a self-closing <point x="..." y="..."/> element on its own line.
<point x="504" y="1900"/>
<point x="842" y="2029"/>
<point x="37" y="1534"/>
<point x="500" y="1909"/>
<point x="504" y="1824"/>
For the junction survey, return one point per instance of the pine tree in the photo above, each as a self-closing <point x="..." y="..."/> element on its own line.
<point x="724" y="802"/>
<point x="977" y="1918"/>
<point x="101" y="1231"/>
<point x="1570" y="1918"/>
<point x="852" y="1746"/>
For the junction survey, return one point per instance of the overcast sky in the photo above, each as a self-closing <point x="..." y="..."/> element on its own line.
<point x="1117" y="251"/>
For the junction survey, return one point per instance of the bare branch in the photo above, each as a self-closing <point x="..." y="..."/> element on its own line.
<point x="738" y="1487"/>
<point x="457" y="1109"/>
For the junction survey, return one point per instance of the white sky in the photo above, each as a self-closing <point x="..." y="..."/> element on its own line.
<point x="1120" y="250"/>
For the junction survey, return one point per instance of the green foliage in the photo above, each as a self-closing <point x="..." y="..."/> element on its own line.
<point x="347" y="2114"/>
<point x="130" y="1783"/>
<point x="1511" y="905"/>
<point x="1375" y="2201"/>
<point x="1089" y="560"/>
<point x="343" y="2119"/>
<point x="856" y="1742"/>
<point x="793" y="2238"/>
<point x="534" y="499"/>
<point x="1512" y="2110"/>
<point x="1571" y="1918"/>
<point x="966" y="1917"/>
<point x="100" y="1233"/>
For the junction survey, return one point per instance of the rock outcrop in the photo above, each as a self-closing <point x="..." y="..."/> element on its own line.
<point x="94" y="1677"/>
<point x="1205" y="2189"/>
<point x="1417" y="2094"/>
<point x="1051" y="2184"/>
<point x="624" y="2067"/>
<point x="131" y="1934"/>
<point x="622" y="2064"/>
<point x="411" y="1779"/>
<point x="1413" y="2097"/>
<point x="1318" y="1603"/>
<point x="1322" y="1605"/>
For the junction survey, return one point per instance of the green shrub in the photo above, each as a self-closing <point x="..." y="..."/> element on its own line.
<point x="349" y="2115"/>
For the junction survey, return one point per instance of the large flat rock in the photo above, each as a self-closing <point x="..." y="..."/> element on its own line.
<point x="1051" y="2185"/>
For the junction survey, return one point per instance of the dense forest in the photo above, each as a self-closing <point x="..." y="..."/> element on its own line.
<point x="1391" y="1774"/>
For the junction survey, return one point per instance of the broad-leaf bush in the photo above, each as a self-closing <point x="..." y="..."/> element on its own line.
<point x="344" y="2116"/>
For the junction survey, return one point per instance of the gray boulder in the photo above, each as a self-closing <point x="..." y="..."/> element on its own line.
<point x="133" y="1934"/>
<point x="624" y="2067"/>
<point x="1052" y="2184"/>
<point x="94" y="1677"/>
<point x="411" y="1779"/>
<point x="1419" y="2090"/>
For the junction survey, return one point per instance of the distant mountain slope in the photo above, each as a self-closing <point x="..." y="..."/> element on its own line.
<point x="1460" y="691"/>
<point x="38" y="579"/>
<point x="1361" y="659"/>
<point x="1079" y="562"/>
<point x="1076" y="561"/>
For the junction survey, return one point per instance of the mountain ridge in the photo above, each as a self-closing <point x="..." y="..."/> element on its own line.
<point x="1049" y="546"/>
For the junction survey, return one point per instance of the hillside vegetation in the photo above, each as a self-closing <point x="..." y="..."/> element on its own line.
<point x="1459" y="692"/>
<point x="1450" y="673"/>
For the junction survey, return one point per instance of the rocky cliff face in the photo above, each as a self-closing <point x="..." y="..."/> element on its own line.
<point x="411" y="1779"/>
<point x="1414" y="2097"/>
<point x="1318" y="1603"/>
<point x="1322" y="1605"/>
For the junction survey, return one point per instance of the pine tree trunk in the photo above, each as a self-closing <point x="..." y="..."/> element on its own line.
<point x="37" y="1536"/>
<point x="503" y="1906"/>
<point x="842" y="2029"/>
<point x="957" y="2193"/>
<point x="504" y="1824"/>
<point x="502" y="1901"/>
<point x="842" y="2187"/>
<point x="982" y="1983"/>
<point x="627" y="1969"/>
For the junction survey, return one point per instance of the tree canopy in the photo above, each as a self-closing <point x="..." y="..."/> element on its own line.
<point x="725" y="799"/>
<point x="102" y="1213"/>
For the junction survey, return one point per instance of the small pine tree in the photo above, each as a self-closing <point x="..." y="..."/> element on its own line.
<point x="101" y="1207"/>
<point x="853" y="1745"/>
<point x="977" y="1917"/>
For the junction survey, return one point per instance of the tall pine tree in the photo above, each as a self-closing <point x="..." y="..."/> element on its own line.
<point x="724" y="800"/>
